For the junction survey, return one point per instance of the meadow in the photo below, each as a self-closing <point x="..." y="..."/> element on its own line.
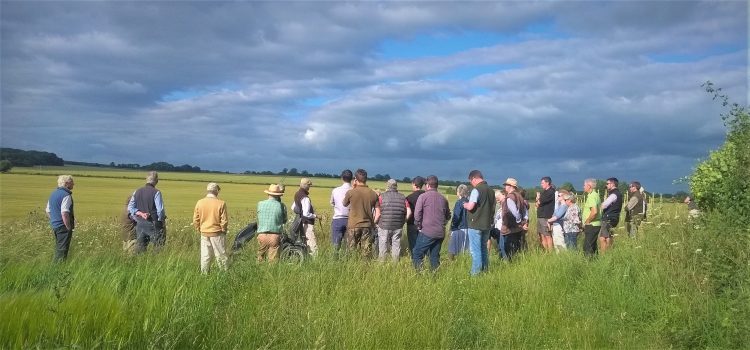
<point x="651" y="292"/>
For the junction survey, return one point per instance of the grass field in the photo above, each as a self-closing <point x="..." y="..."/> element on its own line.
<point x="652" y="292"/>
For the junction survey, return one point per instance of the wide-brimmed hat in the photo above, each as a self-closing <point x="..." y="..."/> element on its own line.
<point x="275" y="190"/>
<point x="511" y="182"/>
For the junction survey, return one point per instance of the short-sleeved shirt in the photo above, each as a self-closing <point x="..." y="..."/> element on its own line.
<point x="592" y="201"/>
<point x="361" y="201"/>
<point x="271" y="216"/>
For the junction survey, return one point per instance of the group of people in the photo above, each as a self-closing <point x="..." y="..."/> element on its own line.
<point x="371" y="223"/>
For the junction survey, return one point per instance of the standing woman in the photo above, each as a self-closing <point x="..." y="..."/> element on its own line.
<point x="459" y="240"/>
<point x="571" y="221"/>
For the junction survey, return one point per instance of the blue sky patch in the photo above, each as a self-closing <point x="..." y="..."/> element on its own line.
<point x="473" y="71"/>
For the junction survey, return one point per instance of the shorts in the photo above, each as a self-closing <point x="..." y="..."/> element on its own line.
<point x="606" y="230"/>
<point x="542" y="227"/>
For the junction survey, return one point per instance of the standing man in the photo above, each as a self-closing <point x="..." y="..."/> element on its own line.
<point x="394" y="209"/>
<point x="127" y="229"/>
<point x="147" y="207"/>
<point x="636" y="207"/>
<point x="481" y="206"/>
<point x="271" y="218"/>
<point x="340" y="211"/>
<point x="514" y="216"/>
<point x="61" y="217"/>
<point x="303" y="207"/>
<point x="430" y="217"/>
<point x="211" y="220"/>
<point x="611" y="208"/>
<point x="591" y="217"/>
<point x="545" y="204"/>
<point x="411" y="230"/>
<point x="364" y="211"/>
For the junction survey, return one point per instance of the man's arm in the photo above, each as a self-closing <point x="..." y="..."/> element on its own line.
<point x="592" y="215"/>
<point x="513" y="209"/>
<point x="473" y="200"/>
<point x="607" y="202"/>
<point x="376" y="208"/>
<point x="408" y="210"/>
<point x="224" y="217"/>
<point x="418" y="212"/>
<point x="632" y="202"/>
<point x="547" y="197"/>
<point x="66" y="219"/>
<point x="65" y="211"/>
<point x="131" y="205"/>
<point x="347" y="198"/>
<point x="447" y="211"/>
<point x="306" y="208"/>
<point x="159" y="203"/>
<point x="197" y="217"/>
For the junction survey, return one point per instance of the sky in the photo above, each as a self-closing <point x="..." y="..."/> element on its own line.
<point x="566" y="89"/>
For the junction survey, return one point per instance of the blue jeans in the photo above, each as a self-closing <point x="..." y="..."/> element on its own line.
<point x="412" y="232"/>
<point x="338" y="231"/>
<point x="571" y="240"/>
<point x="426" y="244"/>
<point x="501" y="246"/>
<point x="148" y="231"/>
<point x="478" y="248"/>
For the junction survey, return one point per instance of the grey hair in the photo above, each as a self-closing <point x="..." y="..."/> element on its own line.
<point x="63" y="180"/>
<point x="590" y="181"/>
<point x="569" y="197"/>
<point x="152" y="178"/>
<point x="462" y="191"/>
<point x="213" y="187"/>
<point x="498" y="191"/>
<point x="392" y="184"/>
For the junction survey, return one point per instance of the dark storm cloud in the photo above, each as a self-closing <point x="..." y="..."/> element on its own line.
<point x="601" y="89"/>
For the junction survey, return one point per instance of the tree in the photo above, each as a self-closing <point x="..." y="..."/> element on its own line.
<point x="568" y="187"/>
<point x="293" y="172"/>
<point x="720" y="183"/>
<point x="29" y="158"/>
<point x="5" y="166"/>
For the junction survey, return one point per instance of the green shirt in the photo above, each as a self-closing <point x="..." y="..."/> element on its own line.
<point x="271" y="216"/>
<point x="592" y="201"/>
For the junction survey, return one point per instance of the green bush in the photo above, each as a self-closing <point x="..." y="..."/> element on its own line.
<point x="5" y="166"/>
<point x="720" y="183"/>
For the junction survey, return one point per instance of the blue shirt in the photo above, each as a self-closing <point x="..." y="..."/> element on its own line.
<point x="158" y="203"/>
<point x="560" y="213"/>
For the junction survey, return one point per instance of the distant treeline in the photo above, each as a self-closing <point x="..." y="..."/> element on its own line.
<point x="30" y="158"/>
<point x="18" y="157"/>
<point x="158" y="166"/>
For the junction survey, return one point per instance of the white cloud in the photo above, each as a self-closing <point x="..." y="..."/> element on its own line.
<point x="598" y="80"/>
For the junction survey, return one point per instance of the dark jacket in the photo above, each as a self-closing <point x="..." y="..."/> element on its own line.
<point x="392" y="210"/>
<point x="546" y="203"/>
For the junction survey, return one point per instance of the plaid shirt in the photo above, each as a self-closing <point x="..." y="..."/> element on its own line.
<point x="271" y="216"/>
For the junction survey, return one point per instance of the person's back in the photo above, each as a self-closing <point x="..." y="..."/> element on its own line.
<point x="364" y="211"/>
<point x="392" y="209"/>
<point x="271" y="216"/>
<point x="433" y="213"/>
<point x="340" y="211"/>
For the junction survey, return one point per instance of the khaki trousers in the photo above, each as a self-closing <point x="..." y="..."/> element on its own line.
<point x="310" y="236"/>
<point x="213" y="247"/>
<point x="361" y="239"/>
<point x="268" y="246"/>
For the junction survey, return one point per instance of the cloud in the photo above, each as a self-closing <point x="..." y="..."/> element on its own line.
<point x="567" y="89"/>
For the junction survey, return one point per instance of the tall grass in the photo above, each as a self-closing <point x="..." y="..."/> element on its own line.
<point x="652" y="292"/>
